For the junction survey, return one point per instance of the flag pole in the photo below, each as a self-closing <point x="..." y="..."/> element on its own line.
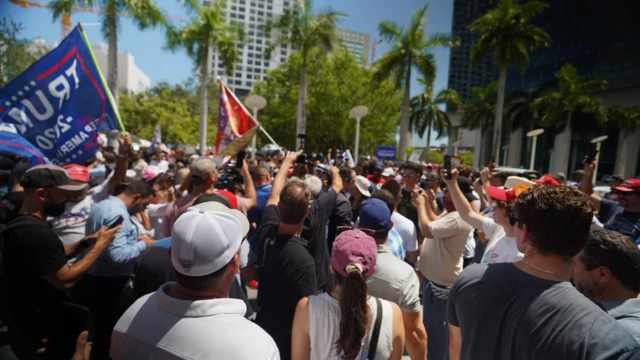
<point x="104" y="83"/>
<point x="252" y="117"/>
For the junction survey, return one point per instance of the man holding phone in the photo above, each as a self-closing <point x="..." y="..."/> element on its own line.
<point x="36" y="270"/>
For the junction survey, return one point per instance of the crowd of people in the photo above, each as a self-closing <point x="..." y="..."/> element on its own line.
<point x="374" y="261"/>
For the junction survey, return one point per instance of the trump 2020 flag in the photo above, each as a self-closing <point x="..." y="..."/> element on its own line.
<point x="236" y="126"/>
<point x="12" y="143"/>
<point x="60" y="103"/>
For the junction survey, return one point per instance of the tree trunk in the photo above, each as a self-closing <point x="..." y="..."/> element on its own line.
<point x="405" y="135"/>
<point x="204" y="80"/>
<point x="574" y="155"/>
<point x="497" y="130"/>
<point x="112" y="80"/>
<point x="566" y="146"/>
<point x="426" y="158"/>
<point x="301" y="123"/>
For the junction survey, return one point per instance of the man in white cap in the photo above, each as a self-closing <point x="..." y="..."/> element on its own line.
<point x="194" y="318"/>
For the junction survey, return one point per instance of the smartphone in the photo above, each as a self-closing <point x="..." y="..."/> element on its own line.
<point x="240" y="158"/>
<point x="447" y="165"/>
<point x="70" y="320"/>
<point x="592" y="156"/>
<point x="118" y="221"/>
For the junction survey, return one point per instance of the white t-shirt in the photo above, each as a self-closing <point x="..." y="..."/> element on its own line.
<point x="500" y="247"/>
<point x="407" y="231"/>
<point x="156" y="213"/>
<point x="70" y="226"/>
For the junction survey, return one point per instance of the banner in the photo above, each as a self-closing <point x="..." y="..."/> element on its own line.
<point x="348" y="158"/>
<point x="236" y="126"/>
<point x="60" y="103"/>
<point x="386" y="153"/>
<point x="415" y="156"/>
<point x="156" y="140"/>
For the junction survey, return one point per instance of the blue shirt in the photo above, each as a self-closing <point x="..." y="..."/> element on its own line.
<point x="120" y="256"/>
<point x="627" y="313"/>
<point x="396" y="244"/>
<point x="263" y="192"/>
<point x="615" y="218"/>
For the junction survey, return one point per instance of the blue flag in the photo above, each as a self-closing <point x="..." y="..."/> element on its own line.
<point x="60" y="103"/>
<point x="12" y="143"/>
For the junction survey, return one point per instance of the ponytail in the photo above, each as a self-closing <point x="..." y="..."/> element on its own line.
<point x="355" y="311"/>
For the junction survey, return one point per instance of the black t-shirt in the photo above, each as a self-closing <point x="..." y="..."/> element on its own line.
<point x="286" y="275"/>
<point x="10" y="205"/>
<point x="341" y="216"/>
<point x="31" y="250"/>
<point x="315" y="232"/>
<point x="505" y="313"/>
<point x="153" y="269"/>
<point x="406" y="208"/>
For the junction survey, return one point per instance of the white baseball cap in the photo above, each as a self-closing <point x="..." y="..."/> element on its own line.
<point x="388" y="172"/>
<point x="513" y="181"/>
<point x="362" y="183"/>
<point x="206" y="237"/>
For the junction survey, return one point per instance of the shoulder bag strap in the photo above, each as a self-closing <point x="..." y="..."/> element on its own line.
<point x="375" y="334"/>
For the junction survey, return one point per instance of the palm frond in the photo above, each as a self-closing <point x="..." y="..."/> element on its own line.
<point x="389" y="31"/>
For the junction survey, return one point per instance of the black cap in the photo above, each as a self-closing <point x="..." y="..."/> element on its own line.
<point x="466" y="186"/>
<point x="43" y="176"/>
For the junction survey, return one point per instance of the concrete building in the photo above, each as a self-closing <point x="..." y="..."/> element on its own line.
<point x="600" y="40"/>
<point x="131" y="80"/>
<point x="253" y="66"/>
<point x="356" y="43"/>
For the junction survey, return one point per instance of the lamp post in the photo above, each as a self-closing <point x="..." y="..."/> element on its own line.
<point x="358" y="112"/>
<point x="455" y="147"/>
<point x="598" y="141"/>
<point x="255" y="102"/>
<point x="534" y="134"/>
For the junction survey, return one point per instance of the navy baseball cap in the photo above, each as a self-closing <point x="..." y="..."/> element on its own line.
<point x="378" y="165"/>
<point x="375" y="215"/>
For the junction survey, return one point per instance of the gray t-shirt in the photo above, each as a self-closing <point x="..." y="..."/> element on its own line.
<point x="505" y="313"/>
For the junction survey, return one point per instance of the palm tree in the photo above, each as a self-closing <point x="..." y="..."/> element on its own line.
<point x="410" y="49"/>
<point x="305" y="31"/>
<point x="479" y="112"/>
<point x="508" y="33"/>
<point x="144" y="14"/>
<point x="520" y="110"/>
<point x="574" y="95"/>
<point x="207" y="32"/>
<point x="426" y="112"/>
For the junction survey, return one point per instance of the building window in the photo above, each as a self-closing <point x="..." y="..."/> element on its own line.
<point x="239" y="68"/>
<point x="238" y="82"/>
<point x="253" y="4"/>
<point x="240" y="16"/>
<point x="266" y="63"/>
<point x="283" y="60"/>
<point x="249" y="83"/>
<point x="248" y="76"/>
<point x="252" y="11"/>
<point x="258" y="56"/>
<point x="220" y="72"/>
<point x="250" y="47"/>
<point x="269" y="7"/>
<point x="241" y="9"/>
<point x="283" y="52"/>
<point x="234" y="8"/>
<point x="238" y="75"/>
<point x="258" y="63"/>
<point x="233" y="15"/>
<point x="258" y="41"/>
<point x="250" y="55"/>
<point x="252" y="18"/>
<point x="249" y="62"/>
<point x="252" y="26"/>
<point x="261" y="13"/>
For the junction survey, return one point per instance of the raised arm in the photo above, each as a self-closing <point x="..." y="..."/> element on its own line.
<point x="249" y="188"/>
<point x="122" y="162"/>
<point x="586" y="185"/>
<point x="419" y="200"/>
<point x="281" y="177"/>
<point x="336" y="180"/>
<point x="462" y="205"/>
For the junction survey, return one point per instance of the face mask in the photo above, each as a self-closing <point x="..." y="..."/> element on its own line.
<point x="52" y="209"/>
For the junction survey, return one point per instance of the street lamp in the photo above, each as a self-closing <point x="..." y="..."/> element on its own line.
<point x="358" y="112"/>
<point x="534" y="134"/>
<point x="598" y="141"/>
<point x="455" y="147"/>
<point x="255" y="102"/>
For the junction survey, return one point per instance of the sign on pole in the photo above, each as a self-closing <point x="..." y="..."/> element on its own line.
<point x="415" y="156"/>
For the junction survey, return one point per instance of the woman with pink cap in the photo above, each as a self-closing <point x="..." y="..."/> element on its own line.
<point x="347" y="323"/>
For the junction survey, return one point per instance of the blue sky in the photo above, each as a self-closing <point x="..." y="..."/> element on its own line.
<point x="160" y="65"/>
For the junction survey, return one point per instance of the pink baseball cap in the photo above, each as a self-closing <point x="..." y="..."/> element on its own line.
<point x="354" y="248"/>
<point x="150" y="172"/>
<point x="548" y="180"/>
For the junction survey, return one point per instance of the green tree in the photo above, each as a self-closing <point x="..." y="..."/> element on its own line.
<point x="624" y="119"/>
<point x="521" y="111"/>
<point x="426" y="112"/>
<point x="144" y="14"/>
<point x="410" y="49"/>
<point x="304" y="30"/>
<point x="16" y="54"/>
<point x="479" y="112"/>
<point x="508" y="34"/>
<point x="339" y="83"/>
<point x="573" y="95"/>
<point x="206" y="32"/>
<point x="174" y="107"/>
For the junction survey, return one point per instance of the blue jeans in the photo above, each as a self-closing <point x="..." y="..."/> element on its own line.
<point x="434" y="317"/>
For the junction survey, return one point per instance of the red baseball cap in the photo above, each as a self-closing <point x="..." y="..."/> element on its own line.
<point x="508" y="195"/>
<point x="233" y="199"/>
<point x="548" y="180"/>
<point x="629" y="185"/>
<point x="79" y="177"/>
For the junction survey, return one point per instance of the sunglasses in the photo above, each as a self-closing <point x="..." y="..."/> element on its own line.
<point x="513" y="219"/>
<point x="341" y="229"/>
<point x="407" y="175"/>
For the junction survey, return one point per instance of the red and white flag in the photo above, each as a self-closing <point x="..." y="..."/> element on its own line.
<point x="236" y="126"/>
